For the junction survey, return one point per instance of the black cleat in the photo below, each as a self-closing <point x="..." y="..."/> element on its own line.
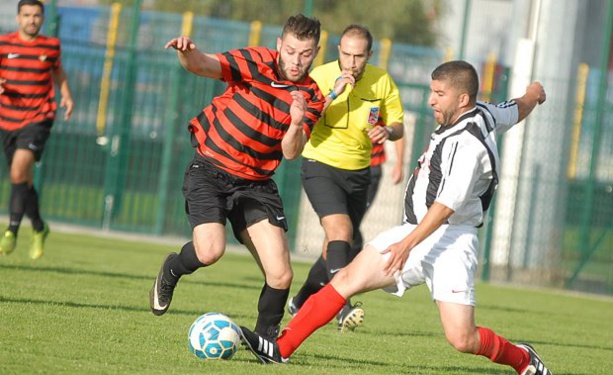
<point x="350" y="317"/>
<point x="160" y="294"/>
<point x="536" y="367"/>
<point x="266" y="351"/>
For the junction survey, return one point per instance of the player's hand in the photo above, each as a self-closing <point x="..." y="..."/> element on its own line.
<point x="343" y="82"/>
<point x="537" y="90"/>
<point x="2" y="82"/>
<point x="397" y="174"/>
<point x="68" y="105"/>
<point x="298" y="108"/>
<point x="181" y="44"/>
<point x="399" y="254"/>
<point x="379" y="134"/>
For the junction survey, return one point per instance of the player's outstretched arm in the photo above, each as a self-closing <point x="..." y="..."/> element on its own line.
<point x="194" y="60"/>
<point x="436" y="216"/>
<point x="535" y="94"/>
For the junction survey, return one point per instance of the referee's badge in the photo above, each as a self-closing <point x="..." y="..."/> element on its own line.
<point x="373" y="116"/>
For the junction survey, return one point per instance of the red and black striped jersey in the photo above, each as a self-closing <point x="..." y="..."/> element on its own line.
<point x="29" y="95"/>
<point x="377" y="156"/>
<point x="242" y="129"/>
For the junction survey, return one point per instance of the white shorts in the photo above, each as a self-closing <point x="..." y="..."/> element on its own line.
<point x="446" y="261"/>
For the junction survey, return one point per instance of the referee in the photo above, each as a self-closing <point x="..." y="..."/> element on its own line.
<point x="362" y="107"/>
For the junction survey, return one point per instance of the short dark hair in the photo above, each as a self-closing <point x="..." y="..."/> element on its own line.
<point x="359" y="31"/>
<point x="302" y="27"/>
<point x="461" y="75"/>
<point x="30" y="2"/>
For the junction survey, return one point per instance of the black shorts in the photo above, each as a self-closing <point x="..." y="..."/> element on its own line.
<point x="376" y="172"/>
<point x="336" y="191"/>
<point x="212" y="195"/>
<point x="32" y="137"/>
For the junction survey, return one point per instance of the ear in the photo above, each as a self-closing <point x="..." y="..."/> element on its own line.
<point x="370" y="55"/>
<point x="464" y="100"/>
<point x="279" y="44"/>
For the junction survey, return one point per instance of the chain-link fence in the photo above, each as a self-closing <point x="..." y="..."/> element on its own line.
<point x="118" y="164"/>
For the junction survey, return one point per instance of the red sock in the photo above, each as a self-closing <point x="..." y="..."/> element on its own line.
<point x="499" y="350"/>
<point x="316" y="312"/>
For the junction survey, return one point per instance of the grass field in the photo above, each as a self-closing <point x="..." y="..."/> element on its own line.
<point x="83" y="309"/>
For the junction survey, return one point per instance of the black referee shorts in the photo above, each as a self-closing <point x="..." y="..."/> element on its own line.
<point x="212" y="195"/>
<point x="336" y="191"/>
<point x="32" y="137"/>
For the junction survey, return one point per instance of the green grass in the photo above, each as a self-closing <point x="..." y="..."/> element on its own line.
<point x="83" y="309"/>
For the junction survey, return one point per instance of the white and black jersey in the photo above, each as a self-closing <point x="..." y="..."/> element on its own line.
<point x="460" y="167"/>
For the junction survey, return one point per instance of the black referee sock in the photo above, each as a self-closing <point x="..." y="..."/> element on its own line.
<point x="338" y="257"/>
<point x="317" y="279"/>
<point x="17" y="207"/>
<point x="270" y="311"/>
<point x="185" y="263"/>
<point x="356" y="247"/>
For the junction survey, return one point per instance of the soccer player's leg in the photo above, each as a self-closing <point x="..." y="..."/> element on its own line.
<point x="21" y="176"/>
<point x="316" y="279"/>
<point x="268" y="245"/>
<point x="259" y="222"/>
<point x="361" y="275"/>
<point x="206" y="212"/>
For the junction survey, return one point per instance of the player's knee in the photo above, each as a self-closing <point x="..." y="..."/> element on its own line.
<point x="280" y="280"/>
<point x="207" y="253"/>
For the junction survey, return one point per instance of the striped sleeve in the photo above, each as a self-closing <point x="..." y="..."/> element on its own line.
<point x="505" y="114"/>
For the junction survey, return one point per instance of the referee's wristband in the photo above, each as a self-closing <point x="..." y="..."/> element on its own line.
<point x="333" y="94"/>
<point x="390" y="130"/>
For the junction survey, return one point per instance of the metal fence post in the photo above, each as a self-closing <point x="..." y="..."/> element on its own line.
<point x="170" y="123"/>
<point x="117" y="164"/>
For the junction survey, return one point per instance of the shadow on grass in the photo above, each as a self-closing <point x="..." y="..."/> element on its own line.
<point x="386" y="367"/>
<point x="82" y="305"/>
<point x="74" y="271"/>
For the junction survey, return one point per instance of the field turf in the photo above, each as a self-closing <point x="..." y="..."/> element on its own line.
<point x="83" y="309"/>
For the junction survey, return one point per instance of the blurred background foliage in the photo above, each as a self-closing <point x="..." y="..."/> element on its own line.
<point x="404" y="21"/>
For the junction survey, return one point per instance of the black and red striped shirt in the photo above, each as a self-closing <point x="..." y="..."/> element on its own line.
<point x="29" y="94"/>
<point x="242" y="129"/>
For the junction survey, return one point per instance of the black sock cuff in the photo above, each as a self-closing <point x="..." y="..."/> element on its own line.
<point x="186" y="262"/>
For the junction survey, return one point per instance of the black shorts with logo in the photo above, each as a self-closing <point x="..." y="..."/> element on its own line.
<point x="213" y="195"/>
<point x="336" y="191"/>
<point x="32" y="137"/>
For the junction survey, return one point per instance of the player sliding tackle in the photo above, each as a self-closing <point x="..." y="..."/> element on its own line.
<point x="445" y="202"/>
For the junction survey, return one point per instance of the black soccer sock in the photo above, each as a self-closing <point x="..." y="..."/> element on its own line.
<point x="17" y="205"/>
<point x="338" y="257"/>
<point x="317" y="279"/>
<point x="270" y="311"/>
<point x="185" y="263"/>
<point x="32" y="210"/>
<point x="356" y="247"/>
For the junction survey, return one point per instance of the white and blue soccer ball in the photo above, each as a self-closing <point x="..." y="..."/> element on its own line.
<point x="214" y="336"/>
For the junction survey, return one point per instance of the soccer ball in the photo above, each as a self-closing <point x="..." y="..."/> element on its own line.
<point x="214" y="336"/>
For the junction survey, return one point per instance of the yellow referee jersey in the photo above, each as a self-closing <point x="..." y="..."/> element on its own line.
<point x="340" y="137"/>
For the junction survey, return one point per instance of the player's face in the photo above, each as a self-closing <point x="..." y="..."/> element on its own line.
<point x="295" y="56"/>
<point x="446" y="102"/>
<point x="30" y="19"/>
<point x="353" y="55"/>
